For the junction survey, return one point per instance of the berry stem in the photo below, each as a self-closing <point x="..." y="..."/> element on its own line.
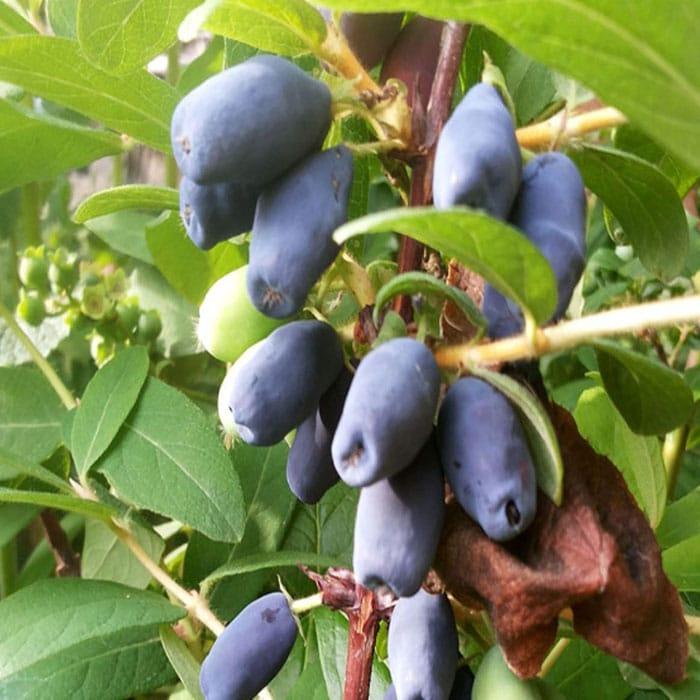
<point x="46" y="369"/>
<point x="629" y="319"/>
<point x="454" y="36"/>
<point x="336" y="53"/>
<point x="362" y="635"/>
<point x="673" y="450"/>
<point x="67" y="561"/>
<point x="560" y="129"/>
<point x="557" y="650"/>
<point x="305" y="604"/>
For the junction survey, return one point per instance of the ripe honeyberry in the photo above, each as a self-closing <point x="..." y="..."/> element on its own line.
<point x="213" y="213"/>
<point x="388" y="414"/>
<point x="423" y="648"/>
<point x="550" y="210"/>
<point x="486" y="458"/>
<point x="277" y="383"/>
<point x="251" y="650"/>
<point x="292" y="235"/>
<point x="398" y="524"/>
<point x="250" y="123"/>
<point x="477" y="162"/>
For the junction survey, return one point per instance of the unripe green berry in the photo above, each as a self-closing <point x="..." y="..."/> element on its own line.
<point x="33" y="269"/>
<point x="149" y="326"/>
<point x="94" y="301"/>
<point x="31" y="309"/>
<point x="128" y="315"/>
<point x="63" y="273"/>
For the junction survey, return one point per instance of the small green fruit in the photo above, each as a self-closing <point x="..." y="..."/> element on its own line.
<point x="33" y="269"/>
<point x="128" y="315"/>
<point x="63" y="271"/>
<point x="228" y="321"/>
<point x="31" y="309"/>
<point x="94" y="301"/>
<point x="149" y="326"/>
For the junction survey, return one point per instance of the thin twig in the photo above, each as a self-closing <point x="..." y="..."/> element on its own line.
<point x="47" y="370"/>
<point x="67" y="561"/>
<point x="625" y="320"/>
<point x="557" y="650"/>
<point x="561" y="129"/>
<point x="336" y="53"/>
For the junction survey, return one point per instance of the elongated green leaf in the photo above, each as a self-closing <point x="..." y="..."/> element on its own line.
<point x="107" y="558"/>
<point x="139" y="105"/>
<point x="48" y="145"/>
<point x="107" y="401"/>
<point x="651" y="397"/>
<point x="125" y="231"/>
<point x="14" y="517"/>
<point x="539" y="430"/>
<point x="271" y="560"/>
<point x="620" y="49"/>
<point x="681" y="520"/>
<point x="498" y="252"/>
<point x="147" y="197"/>
<point x="30" y="414"/>
<point x="123" y="35"/>
<point x="637" y="457"/>
<point x="290" y="28"/>
<point x="183" y="662"/>
<point x="66" y="637"/>
<point x="12" y="466"/>
<point x="60" y="501"/>
<point x="682" y="564"/>
<point x="645" y="203"/>
<point x="168" y="458"/>
<point x="62" y="16"/>
<point x="12" y="23"/>
<point x="424" y="283"/>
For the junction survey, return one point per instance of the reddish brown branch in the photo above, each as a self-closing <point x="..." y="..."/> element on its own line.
<point x="453" y="38"/>
<point x="362" y="635"/>
<point x="67" y="561"/>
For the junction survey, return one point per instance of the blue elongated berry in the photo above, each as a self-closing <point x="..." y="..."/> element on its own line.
<point x="486" y="458"/>
<point x="278" y="382"/>
<point x="214" y="213"/>
<point x="292" y="240"/>
<point x="423" y="649"/>
<point x="310" y="470"/>
<point x="251" y="650"/>
<point x="388" y="414"/>
<point x="477" y="162"/>
<point x="461" y="688"/>
<point x="551" y="211"/>
<point x="250" y="123"/>
<point x="398" y="525"/>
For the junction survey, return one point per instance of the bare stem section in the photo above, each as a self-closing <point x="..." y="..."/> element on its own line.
<point x="337" y="54"/>
<point x="560" y="129"/>
<point x="622" y="321"/>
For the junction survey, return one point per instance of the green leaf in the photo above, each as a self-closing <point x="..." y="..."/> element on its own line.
<point x="424" y="283"/>
<point x="583" y="672"/>
<point x="493" y="249"/>
<point x="146" y="197"/>
<point x="637" y="457"/>
<point x="682" y="564"/>
<point x="651" y="397"/>
<point x="64" y="638"/>
<point x="121" y="36"/>
<point x="271" y="560"/>
<point x="681" y="520"/>
<point x="183" y="662"/>
<point x="60" y="501"/>
<point x="270" y="505"/>
<point x="541" y="437"/>
<point x="125" y="231"/>
<point x="184" y="265"/>
<point x="62" y="16"/>
<point x="289" y="28"/>
<point x="30" y="414"/>
<point x="620" y="49"/>
<point x="49" y="146"/>
<point x="644" y="201"/>
<point x="14" y="517"/>
<point x="169" y="459"/>
<point x="12" y="466"/>
<point x="12" y="23"/>
<point x="107" y="401"/>
<point x="632" y="140"/>
<point x="107" y="558"/>
<point x="139" y="105"/>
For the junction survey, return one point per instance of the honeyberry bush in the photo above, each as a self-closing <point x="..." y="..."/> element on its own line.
<point x="132" y="528"/>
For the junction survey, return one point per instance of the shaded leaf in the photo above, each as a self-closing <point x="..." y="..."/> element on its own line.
<point x="12" y="466"/>
<point x="498" y="252"/>
<point x="125" y="232"/>
<point x="60" y="501"/>
<point x="183" y="662"/>
<point x="148" y="197"/>
<point x="681" y="520"/>
<point x="682" y="564"/>
<point x="12" y="22"/>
